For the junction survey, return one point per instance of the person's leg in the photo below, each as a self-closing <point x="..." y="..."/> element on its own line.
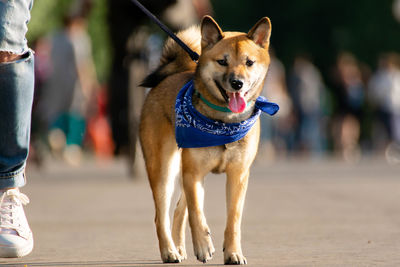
<point x="76" y="126"/>
<point x="16" y="96"/>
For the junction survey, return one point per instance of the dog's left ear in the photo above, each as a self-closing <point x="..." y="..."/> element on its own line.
<point x="261" y="32"/>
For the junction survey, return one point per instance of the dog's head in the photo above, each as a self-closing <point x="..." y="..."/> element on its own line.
<point x="233" y="65"/>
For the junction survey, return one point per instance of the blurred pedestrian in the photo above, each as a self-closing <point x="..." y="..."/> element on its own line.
<point x="277" y="135"/>
<point x="307" y="90"/>
<point x="384" y="94"/>
<point x="38" y="148"/>
<point x="16" y="95"/>
<point x="67" y="94"/>
<point x="350" y="92"/>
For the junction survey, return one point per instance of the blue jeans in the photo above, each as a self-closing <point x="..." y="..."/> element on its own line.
<point x="16" y="92"/>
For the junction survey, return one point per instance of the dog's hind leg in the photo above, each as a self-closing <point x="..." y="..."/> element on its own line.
<point x="179" y="225"/>
<point x="163" y="164"/>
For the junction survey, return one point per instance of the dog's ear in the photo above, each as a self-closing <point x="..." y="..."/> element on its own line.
<point x="211" y="33"/>
<point x="261" y="32"/>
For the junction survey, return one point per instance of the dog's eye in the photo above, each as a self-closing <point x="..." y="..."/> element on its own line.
<point x="249" y="63"/>
<point x="222" y="62"/>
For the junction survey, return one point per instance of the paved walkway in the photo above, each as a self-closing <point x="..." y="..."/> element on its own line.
<point x="298" y="213"/>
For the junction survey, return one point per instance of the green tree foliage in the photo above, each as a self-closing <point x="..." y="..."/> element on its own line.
<point x="46" y="17"/>
<point x="98" y="30"/>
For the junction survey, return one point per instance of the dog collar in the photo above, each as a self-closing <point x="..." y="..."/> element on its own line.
<point x="193" y="129"/>
<point x="216" y="107"/>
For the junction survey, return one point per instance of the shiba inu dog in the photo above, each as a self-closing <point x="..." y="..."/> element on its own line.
<point x="226" y="84"/>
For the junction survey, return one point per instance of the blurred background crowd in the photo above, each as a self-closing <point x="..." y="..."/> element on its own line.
<point x="335" y="72"/>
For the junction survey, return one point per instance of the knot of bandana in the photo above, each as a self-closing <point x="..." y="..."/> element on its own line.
<point x="192" y="129"/>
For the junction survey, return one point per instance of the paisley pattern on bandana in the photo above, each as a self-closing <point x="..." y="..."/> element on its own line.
<point x="192" y="129"/>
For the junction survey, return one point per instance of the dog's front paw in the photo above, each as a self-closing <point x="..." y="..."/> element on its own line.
<point x="171" y="256"/>
<point x="203" y="248"/>
<point x="182" y="252"/>
<point x="234" y="258"/>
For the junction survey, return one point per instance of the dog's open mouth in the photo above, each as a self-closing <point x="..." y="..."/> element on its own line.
<point x="222" y="91"/>
<point x="235" y="100"/>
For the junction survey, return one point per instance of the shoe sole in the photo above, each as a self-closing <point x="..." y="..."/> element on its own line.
<point x="16" y="252"/>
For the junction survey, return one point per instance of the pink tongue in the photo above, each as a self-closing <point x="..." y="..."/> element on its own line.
<point x="237" y="103"/>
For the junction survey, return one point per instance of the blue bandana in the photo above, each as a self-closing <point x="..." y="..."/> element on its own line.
<point x="192" y="129"/>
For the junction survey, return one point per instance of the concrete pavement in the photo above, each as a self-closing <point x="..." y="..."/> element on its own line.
<point x="297" y="213"/>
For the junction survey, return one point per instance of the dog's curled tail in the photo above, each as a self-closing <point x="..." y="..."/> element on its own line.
<point x="174" y="59"/>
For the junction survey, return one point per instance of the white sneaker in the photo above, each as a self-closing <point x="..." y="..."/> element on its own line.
<point x="16" y="238"/>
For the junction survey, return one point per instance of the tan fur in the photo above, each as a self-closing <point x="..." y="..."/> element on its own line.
<point x="164" y="160"/>
<point x="182" y="62"/>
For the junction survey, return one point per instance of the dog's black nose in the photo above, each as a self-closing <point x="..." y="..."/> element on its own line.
<point x="236" y="84"/>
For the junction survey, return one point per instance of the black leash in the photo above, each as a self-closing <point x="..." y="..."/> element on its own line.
<point x="193" y="55"/>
